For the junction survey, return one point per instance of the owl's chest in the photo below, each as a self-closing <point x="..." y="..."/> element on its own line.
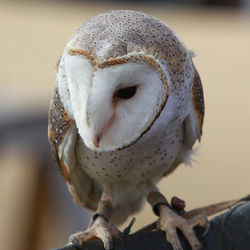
<point x="147" y="159"/>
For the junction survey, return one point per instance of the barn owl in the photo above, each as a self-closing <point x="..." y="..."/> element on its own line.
<point x="127" y="110"/>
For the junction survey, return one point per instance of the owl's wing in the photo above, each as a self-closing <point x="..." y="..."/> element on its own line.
<point x="192" y="125"/>
<point x="194" y="121"/>
<point x="198" y="101"/>
<point x="62" y="134"/>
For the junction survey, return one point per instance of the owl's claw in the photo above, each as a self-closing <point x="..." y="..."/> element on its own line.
<point x="99" y="229"/>
<point x="77" y="244"/>
<point x="108" y="245"/>
<point x="200" y="220"/>
<point x="169" y="221"/>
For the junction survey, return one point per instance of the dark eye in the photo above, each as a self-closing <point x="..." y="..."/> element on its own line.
<point x="126" y="93"/>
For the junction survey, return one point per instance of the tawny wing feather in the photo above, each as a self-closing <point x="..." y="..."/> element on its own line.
<point x="198" y="100"/>
<point x="192" y="125"/>
<point x="83" y="189"/>
<point x="194" y="121"/>
<point x="58" y="124"/>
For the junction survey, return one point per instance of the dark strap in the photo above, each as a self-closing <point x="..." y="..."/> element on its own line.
<point x="104" y="209"/>
<point x="155" y="199"/>
<point x="96" y="215"/>
<point x="156" y="207"/>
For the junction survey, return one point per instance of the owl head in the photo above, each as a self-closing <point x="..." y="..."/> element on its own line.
<point x="115" y="75"/>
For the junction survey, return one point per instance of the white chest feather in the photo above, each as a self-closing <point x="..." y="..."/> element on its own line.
<point x="146" y="160"/>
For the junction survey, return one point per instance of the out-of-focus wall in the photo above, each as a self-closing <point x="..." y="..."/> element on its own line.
<point x="36" y="210"/>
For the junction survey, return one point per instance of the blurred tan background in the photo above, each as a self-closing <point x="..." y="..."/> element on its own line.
<point x="36" y="210"/>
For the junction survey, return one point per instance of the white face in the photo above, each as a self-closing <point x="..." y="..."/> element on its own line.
<point x="112" y="106"/>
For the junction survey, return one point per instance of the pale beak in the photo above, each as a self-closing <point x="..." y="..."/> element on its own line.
<point x="99" y="135"/>
<point x="97" y="139"/>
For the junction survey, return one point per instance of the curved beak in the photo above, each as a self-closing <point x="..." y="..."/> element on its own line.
<point x="99" y="134"/>
<point x="97" y="139"/>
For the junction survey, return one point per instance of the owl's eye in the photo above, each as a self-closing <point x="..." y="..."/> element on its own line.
<point x="126" y="93"/>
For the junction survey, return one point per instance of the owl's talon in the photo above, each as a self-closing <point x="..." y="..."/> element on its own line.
<point x="108" y="245"/>
<point x="77" y="244"/>
<point x="201" y="221"/>
<point x="207" y="227"/>
<point x="169" y="221"/>
<point x="99" y="229"/>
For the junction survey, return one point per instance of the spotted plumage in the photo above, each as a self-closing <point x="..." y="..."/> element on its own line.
<point x="127" y="111"/>
<point x="198" y="100"/>
<point x="59" y="123"/>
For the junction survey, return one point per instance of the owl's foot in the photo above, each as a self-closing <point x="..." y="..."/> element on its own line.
<point x="169" y="221"/>
<point x="99" y="227"/>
